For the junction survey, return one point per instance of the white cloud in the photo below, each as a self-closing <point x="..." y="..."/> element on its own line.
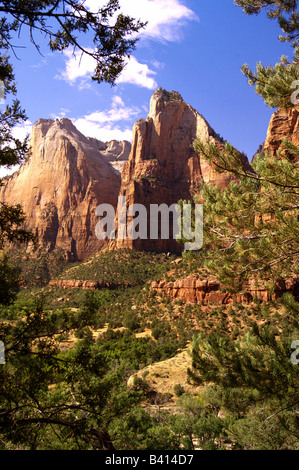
<point x="39" y="65"/>
<point x="117" y="100"/>
<point x="109" y="124"/>
<point x="21" y="131"/>
<point x="158" y="65"/>
<point x="6" y="172"/>
<point x="138" y="74"/>
<point x="79" y="68"/>
<point x="78" y="65"/>
<point x="118" y="112"/>
<point x="18" y="132"/>
<point x="165" y="18"/>
<point x="63" y="112"/>
<point x="105" y="133"/>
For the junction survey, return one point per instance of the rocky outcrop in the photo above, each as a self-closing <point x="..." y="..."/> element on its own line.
<point x="194" y="289"/>
<point x="284" y="124"/>
<point x="86" y="284"/>
<point x="60" y="184"/>
<point x="162" y="167"/>
<point x="115" y="152"/>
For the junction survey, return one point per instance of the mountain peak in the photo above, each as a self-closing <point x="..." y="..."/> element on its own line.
<point x="163" y="95"/>
<point x="163" y="167"/>
<point x="161" y="98"/>
<point x="65" y="177"/>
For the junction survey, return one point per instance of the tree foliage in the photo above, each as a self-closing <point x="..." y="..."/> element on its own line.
<point x="284" y="11"/>
<point x="251" y="227"/>
<point x="251" y="235"/>
<point x="65" y="22"/>
<point x="276" y="84"/>
<point x="56" y="399"/>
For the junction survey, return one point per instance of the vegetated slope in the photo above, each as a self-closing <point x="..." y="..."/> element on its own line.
<point x="145" y="331"/>
<point x="121" y="266"/>
<point x="155" y="327"/>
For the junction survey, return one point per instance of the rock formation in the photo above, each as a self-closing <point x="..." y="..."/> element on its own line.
<point x="284" y="124"/>
<point x="195" y="289"/>
<point x="115" y="152"/>
<point x="90" y="285"/>
<point x="60" y="184"/>
<point x="162" y="166"/>
<point x="68" y="175"/>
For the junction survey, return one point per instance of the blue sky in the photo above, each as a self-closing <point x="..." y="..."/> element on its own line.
<point x="196" y="47"/>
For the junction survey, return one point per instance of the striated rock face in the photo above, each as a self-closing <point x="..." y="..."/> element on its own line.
<point x="162" y="166"/>
<point x="284" y="124"/>
<point x="208" y="291"/>
<point x="61" y="183"/>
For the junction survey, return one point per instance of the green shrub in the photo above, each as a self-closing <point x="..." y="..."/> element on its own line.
<point x="131" y="321"/>
<point x="178" y="390"/>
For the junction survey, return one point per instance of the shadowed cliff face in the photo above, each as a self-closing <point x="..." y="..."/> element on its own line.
<point x="60" y="184"/>
<point x="162" y="166"/>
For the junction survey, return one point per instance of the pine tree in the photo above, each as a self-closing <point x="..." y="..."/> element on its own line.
<point x="50" y="399"/>
<point x="251" y="234"/>
<point x="284" y="11"/>
<point x="65" y="22"/>
<point x="252" y="224"/>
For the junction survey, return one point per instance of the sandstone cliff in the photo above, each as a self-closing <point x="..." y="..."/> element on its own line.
<point x="198" y="289"/>
<point x="162" y="166"/>
<point x="68" y="175"/>
<point x="115" y="152"/>
<point x="284" y="124"/>
<point x="60" y="184"/>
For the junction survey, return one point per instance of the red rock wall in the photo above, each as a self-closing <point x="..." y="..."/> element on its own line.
<point x="162" y="166"/>
<point x="195" y="290"/>
<point x="60" y="185"/>
<point x="284" y="124"/>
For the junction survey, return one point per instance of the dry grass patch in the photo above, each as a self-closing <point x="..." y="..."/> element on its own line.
<point x="163" y="376"/>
